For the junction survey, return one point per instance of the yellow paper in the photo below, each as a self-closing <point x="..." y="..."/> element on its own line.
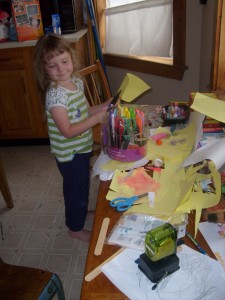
<point x="181" y="192"/>
<point x="209" y="106"/>
<point x="132" y="87"/>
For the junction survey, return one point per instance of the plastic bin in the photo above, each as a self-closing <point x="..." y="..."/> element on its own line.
<point x="125" y="133"/>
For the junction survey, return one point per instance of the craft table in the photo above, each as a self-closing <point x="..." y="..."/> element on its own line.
<point x="101" y="287"/>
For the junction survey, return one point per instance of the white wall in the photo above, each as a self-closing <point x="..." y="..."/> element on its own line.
<point x="198" y="60"/>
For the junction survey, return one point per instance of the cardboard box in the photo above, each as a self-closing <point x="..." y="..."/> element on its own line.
<point x="27" y="17"/>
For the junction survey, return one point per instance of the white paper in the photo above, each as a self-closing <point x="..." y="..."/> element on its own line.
<point x="199" y="277"/>
<point x="213" y="150"/>
<point x="215" y="241"/>
<point x="101" y="160"/>
<point x="197" y="118"/>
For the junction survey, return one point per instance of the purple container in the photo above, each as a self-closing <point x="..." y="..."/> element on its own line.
<point x="127" y="155"/>
<point x="125" y="133"/>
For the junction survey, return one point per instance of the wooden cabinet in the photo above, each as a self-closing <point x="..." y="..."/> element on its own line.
<point x="21" y="109"/>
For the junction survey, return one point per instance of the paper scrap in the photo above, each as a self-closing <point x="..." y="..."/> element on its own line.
<point x="139" y="182"/>
<point x="209" y="106"/>
<point x="132" y="87"/>
<point x="213" y="150"/>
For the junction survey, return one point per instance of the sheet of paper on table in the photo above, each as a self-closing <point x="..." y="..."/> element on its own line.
<point x="199" y="277"/>
<point x="210" y="231"/>
<point x="213" y="150"/>
<point x="197" y="118"/>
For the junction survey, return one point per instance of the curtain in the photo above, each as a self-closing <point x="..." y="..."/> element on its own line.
<point x="143" y="28"/>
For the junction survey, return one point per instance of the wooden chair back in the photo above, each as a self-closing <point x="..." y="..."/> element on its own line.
<point x="97" y="89"/>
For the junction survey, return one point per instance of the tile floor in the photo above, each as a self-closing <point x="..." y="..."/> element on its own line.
<point x="34" y="231"/>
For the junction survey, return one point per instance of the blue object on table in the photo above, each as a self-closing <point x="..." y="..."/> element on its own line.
<point x="123" y="203"/>
<point x="196" y="243"/>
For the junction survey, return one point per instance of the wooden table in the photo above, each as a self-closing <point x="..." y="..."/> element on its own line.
<point x="101" y="287"/>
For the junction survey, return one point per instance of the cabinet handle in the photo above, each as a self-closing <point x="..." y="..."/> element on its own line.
<point x="23" y="85"/>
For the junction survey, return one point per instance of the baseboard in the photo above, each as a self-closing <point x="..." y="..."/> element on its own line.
<point x="24" y="142"/>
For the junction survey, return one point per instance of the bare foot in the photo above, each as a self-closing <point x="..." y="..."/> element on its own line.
<point x="83" y="235"/>
<point x="90" y="215"/>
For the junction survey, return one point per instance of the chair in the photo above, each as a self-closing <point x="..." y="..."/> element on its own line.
<point x="97" y="91"/>
<point x="25" y="283"/>
<point x="4" y="187"/>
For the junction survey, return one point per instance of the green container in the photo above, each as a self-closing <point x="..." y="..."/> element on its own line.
<point x="161" y="242"/>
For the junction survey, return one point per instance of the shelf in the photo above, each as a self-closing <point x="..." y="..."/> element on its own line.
<point x="72" y="37"/>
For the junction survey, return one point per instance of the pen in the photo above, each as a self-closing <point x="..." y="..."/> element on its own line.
<point x="196" y="243"/>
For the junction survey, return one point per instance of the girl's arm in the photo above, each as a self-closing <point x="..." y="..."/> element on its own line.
<point x="69" y="130"/>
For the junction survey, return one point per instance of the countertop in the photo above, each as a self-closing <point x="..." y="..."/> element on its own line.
<point x="72" y="37"/>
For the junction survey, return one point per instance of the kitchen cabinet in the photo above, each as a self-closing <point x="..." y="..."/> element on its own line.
<point x="21" y="110"/>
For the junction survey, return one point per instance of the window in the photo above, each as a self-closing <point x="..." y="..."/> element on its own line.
<point x="141" y="56"/>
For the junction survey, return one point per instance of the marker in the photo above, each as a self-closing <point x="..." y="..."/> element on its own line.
<point x="196" y="243"/>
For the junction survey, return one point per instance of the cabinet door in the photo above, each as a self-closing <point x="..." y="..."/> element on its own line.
<point x="16" y="117"/>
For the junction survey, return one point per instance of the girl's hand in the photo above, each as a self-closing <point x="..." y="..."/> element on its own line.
<point x="108" y="102"/>
<point x="100" y="116"/>
<point x="101" y="107"/>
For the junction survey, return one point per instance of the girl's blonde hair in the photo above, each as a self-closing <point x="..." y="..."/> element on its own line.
<point x="47" y="47"/>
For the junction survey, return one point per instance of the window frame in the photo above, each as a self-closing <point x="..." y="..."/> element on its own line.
<point x="170" y="68"/>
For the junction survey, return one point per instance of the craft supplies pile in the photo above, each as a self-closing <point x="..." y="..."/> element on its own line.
<point x="188" y="176"/>
<point x="158" y="176"/>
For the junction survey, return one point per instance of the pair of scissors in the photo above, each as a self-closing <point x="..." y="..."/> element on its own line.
<point x="114" y="100"/>
<point x="123" y="203"/>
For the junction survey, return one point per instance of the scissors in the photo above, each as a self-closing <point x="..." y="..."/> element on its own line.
<point x="123" y="203"/>
<point x="114" y="100"/>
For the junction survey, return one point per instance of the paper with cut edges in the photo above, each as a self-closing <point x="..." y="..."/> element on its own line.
<point x="132" y="87"/>
<point x="209" y="106"/>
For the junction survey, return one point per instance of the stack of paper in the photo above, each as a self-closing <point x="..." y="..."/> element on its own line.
<point x="199" y="277"/>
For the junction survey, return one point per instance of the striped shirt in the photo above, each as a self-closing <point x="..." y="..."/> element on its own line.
<point x="76" y="105"/>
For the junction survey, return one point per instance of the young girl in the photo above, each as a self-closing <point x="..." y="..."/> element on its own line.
<point x="70" y="122"/>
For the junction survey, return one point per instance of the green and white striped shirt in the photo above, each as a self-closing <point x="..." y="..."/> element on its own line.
<point x="77" y="108"/>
